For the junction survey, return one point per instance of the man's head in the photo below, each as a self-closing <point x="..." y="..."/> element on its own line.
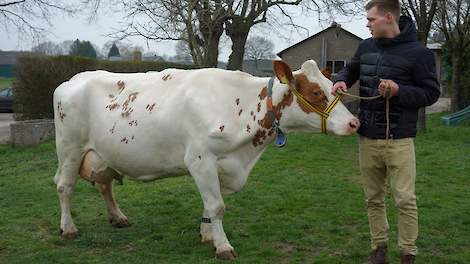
<point x="383" y="17"/>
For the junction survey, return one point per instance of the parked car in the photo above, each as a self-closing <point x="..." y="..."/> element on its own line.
<point x="6" y="100"/>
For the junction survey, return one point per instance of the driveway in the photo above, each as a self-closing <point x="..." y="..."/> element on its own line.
<point x="5" y="120"/>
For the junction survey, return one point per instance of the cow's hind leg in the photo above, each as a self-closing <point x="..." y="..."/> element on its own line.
<point x="65" y="179"/>
<point x="115" y="216"/>
<point x="94" y="169"/>
<point x="205" y="175"/>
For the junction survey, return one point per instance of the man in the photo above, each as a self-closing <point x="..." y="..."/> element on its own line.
<point x="392" y="60"/>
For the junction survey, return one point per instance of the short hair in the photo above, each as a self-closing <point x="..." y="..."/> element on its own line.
<point x="392" y="6"/>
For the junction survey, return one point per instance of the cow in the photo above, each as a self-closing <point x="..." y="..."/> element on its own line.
<point x="211" y="124"/>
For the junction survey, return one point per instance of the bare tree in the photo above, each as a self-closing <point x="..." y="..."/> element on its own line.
<point x="258" y="47"/>
<point x="48" y="48"/>
<point x="197" y="22"/>
<point x="423" y="12"/>
<point x="244" y="15"/>
<point x="22" y="15"/>
<point x="453" y="20"/>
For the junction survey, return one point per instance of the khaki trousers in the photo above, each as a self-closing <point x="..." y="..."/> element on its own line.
<point x="396" y="163"/>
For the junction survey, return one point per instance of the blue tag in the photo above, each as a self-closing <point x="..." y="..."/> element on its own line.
<point x="280" y="138"/>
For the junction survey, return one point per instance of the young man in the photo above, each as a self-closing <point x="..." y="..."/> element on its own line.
<point x="391" y="60"/>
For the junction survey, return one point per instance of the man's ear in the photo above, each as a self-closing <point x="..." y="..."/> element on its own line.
<point x="283" y="72"/>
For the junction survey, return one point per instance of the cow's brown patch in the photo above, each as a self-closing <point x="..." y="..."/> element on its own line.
<point x="60" y="111"/>
<point x="221" y="128"/>
<point x="133" y="123"/>
<point x="264" y="93"/>
<point x="113" y="106"/>
<point x="311" y="92"/>
<point x="121" y="85"/>
<point x="265" y="130"/>
<point x="113" y="128"/>
<point x="167" y="77"/>
<point x="150" y="107"/>
<point x="277" y="109"/>
<point x="127" y="112"/>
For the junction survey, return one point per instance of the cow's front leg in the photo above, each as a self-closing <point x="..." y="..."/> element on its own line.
<point x="204" y="172"/>
<point x="206" y="228"/>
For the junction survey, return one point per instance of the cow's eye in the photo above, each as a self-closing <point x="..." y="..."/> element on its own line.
<point x="316" y="93"/>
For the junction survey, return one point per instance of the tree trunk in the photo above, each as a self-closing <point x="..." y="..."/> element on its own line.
<point x="212" y="52"/>
<point x="456" y="102"/>
<point x="238" y="33"/>
<point x="235" y="60"/>
<point x="421" y="125"/>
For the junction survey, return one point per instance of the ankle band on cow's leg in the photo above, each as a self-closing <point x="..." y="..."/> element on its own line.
<point x="206" y="220"/>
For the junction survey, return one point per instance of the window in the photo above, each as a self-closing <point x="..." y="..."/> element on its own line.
<point x="336" y="65"/>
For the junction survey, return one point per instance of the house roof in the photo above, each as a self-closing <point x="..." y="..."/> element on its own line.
<point x="333" y="25"/>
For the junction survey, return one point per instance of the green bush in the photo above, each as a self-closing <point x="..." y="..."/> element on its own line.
<point x="38" y="76"/>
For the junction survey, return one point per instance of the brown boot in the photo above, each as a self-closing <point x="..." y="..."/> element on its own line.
<point x="407" y="259"/>
<point x="379" y="255"/>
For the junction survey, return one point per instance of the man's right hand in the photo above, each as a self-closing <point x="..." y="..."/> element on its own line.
<point x="339" y="86"/>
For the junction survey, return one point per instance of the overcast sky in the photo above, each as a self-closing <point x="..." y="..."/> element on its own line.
<point x="67" y="28"/>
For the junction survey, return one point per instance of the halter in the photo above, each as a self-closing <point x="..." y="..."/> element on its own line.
<point x="323" y="114"/>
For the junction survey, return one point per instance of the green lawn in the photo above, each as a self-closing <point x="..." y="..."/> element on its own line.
<point x="302" y="204"/>
<point x="5" y="82"/>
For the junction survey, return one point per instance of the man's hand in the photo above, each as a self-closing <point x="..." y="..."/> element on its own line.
<point x="339" y="86"/>
<point x="385" y="84"/>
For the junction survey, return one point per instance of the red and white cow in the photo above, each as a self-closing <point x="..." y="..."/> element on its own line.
<point x="209" y="123"/>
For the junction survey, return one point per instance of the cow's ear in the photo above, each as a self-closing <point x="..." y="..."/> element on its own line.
<point x="282" y="71"/>
<point x="327" y="73"/>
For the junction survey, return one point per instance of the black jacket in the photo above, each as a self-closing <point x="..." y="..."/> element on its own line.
<point x="403" y="60"/>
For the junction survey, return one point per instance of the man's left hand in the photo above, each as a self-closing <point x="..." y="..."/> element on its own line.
<point x="383" y="86"/>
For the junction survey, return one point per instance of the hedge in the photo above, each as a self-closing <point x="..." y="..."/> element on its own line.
<point x="38" y="76"/>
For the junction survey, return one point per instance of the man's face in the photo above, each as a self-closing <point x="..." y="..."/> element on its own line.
<point x="379" y="24"/>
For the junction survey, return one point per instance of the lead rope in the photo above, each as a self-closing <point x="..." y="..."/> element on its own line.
<point x="387" y="106"/>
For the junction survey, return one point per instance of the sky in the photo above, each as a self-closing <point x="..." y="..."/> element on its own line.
<point x="70" y="28"/>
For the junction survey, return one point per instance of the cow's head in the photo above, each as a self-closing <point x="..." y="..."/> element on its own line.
<point x="316" y="89"/>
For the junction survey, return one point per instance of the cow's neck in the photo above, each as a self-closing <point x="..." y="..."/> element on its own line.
<point x="263" y="133"/>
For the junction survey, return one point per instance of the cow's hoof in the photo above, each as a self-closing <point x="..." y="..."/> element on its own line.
<point x="69" y="235"/>
<point x="120" y="223"/>
<point x="226" y="255"/>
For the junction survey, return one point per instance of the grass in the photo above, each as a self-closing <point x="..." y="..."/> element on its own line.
<point x="5" y="82"/>
<point x="302" y="204"/>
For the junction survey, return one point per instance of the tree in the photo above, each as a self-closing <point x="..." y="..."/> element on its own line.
<point x="183" y="53"/>
<point x="48" y="48"/>
<point x="453" y="20"/>
<point x="83" y="49"/>
<point x="114" y="51"/>
<point x="22" y="16"/>
<point x="423" y="12"/>
<point x="197" y="22"/>
<point x="137" y="55"/>
<point x="258" y="48"/>
<point x="200" y="23"/>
